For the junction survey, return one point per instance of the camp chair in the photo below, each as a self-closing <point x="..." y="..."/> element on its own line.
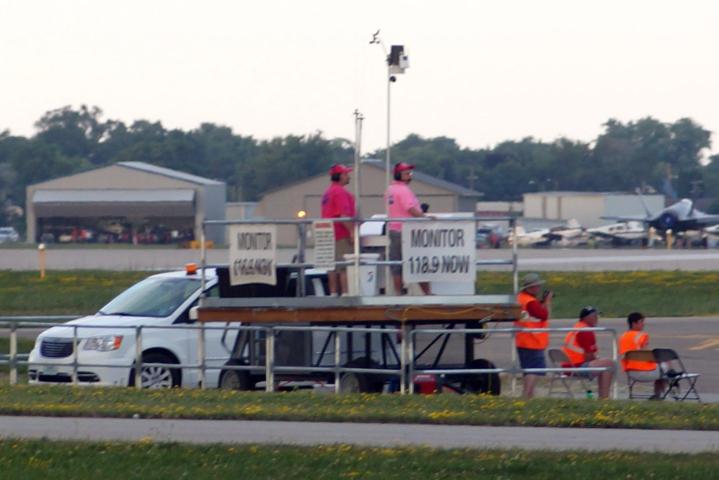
<point x="674" y="373"/>
<point x="641" y="356"/>
<point x="556" y="358"/>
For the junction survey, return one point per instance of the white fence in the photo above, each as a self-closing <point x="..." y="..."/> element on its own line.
<point x="405" y="371"/>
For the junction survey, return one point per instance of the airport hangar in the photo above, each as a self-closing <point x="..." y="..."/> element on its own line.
<point x="546" y="209"/>
<point x="286" y="201"/>
<point x="131" y="195"/>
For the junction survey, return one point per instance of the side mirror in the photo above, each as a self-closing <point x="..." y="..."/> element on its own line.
<point x="193" y="314"/>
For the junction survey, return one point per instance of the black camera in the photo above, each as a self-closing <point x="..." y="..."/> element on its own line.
<point x="546" y="294"/>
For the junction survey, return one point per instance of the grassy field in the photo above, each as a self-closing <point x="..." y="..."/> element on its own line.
<point x="657" y="293"/>
<point x="308" y="406"/>
<point x="61" y="293"/>
<point x="29" y="460"/>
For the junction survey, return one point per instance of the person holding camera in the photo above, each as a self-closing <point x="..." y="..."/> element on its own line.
<point x="582" y="351"/>
<point x="536" y="308"/>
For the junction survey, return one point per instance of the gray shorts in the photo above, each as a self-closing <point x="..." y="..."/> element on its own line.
<point x="395" y="250"/>
<point x="342" y="247"/>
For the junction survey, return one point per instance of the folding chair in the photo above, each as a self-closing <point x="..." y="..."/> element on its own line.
<point x="556" y="358"/>
<point x="674" y="373"/>
<point x="632" y="380"/>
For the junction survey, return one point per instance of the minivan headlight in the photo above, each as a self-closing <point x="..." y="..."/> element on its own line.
<point x="103" y="343"/>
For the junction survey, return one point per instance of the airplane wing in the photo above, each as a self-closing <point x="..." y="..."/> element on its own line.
<point x="707" y="219"/>
<point x="636" y="218"/>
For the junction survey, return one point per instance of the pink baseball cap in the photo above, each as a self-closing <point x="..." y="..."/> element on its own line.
<point x="401" y="167"/>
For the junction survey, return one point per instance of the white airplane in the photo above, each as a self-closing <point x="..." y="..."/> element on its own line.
<point x="622" y="233"/>
<point x="570" y="235"/>
<point x="531" y="238"/>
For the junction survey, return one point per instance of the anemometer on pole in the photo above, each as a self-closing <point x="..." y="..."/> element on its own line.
<point x="397" y="63"/>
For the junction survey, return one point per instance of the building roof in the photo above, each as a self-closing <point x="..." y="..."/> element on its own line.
<point x="113" y="196"/>
<point x="422" y="177"/>
<point x="166" y="172"/>
<point x="429" y="179"/>
<point x="580" y="194"/>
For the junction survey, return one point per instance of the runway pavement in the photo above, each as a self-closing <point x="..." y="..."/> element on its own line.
<point x="534" y="259"/>
<point x="386" y="435"/>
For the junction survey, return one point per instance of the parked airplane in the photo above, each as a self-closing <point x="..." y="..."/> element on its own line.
<point x="679" y="217"/>
<point x="570" y="235"/>
<point x="622" y="233"/>
<point x="531" y="238"/>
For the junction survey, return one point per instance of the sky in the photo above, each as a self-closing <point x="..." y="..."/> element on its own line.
<point x="481" y="72"/>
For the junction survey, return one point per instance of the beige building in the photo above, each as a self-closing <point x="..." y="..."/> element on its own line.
<point x="285" y="202"/>
<point x="587" y="207"/>
<point x="125" y="200"/>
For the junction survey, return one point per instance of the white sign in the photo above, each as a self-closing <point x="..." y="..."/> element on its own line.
<point x="438" y="251"/>
<point x="253" y="254"/>
<point x="324" y="244"/>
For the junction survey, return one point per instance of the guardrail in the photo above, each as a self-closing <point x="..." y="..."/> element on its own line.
<point x="302" y="224"/>
<point x="406" y="369"/>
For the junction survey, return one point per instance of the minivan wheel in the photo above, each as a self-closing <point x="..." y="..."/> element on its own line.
<point x="156" y="377"/>
<point x="235" y="380"/>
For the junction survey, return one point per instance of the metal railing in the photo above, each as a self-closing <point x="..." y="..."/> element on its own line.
<point x="302" y="224"/>
<point x="406" y="370"/>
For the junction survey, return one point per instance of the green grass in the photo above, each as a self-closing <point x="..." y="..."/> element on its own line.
<point x="61" y="293"/>
<point x="42" y="459"/>
<point x="308" y="406"/>
<point x="655" y="293"/>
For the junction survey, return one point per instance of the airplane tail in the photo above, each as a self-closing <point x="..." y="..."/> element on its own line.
<point x="644" y="204"/>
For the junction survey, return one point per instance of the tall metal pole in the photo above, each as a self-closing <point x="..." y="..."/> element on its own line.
<point x="388" y="283"/>
<point x="389" y="139"/>
<point x="358" y="195"/>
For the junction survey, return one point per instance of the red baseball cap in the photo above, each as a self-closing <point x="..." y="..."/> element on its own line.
<point x="339" y="168"/>
<point x="401" y="167"/>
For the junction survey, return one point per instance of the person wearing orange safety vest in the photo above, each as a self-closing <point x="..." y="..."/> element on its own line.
<point x="581" y="349"/>
<point x="535" y="312"/>
<point x="637" y="339"/>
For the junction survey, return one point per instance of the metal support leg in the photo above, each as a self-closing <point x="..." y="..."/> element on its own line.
<point x="138" y="357"/>
<point x="270" y="361"/>
<point x="74" y="355"/>
<point x="201" y="356"/>
<point x="338" y="360"/>
<point x="13" y="353"/>
<point x="403" y="355"/>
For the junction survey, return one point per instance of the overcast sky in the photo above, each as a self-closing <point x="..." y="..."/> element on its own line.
<point x="481" y="71"/>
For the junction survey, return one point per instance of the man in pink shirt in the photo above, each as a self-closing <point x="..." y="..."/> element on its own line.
<point x="401" y="203"/>
<point x="338" y="202"/>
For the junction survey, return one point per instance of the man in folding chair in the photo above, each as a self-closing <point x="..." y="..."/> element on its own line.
<point x="640" y="370"/>
<point x="581" y="349"/>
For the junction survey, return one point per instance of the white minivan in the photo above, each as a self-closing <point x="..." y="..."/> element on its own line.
<point x="106" y="341"/>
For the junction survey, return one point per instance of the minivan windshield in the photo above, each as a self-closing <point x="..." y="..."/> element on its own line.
<point x="152" y="297"/>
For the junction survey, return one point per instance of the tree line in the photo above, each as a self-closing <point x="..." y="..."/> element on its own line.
<point x="645" y="152"/>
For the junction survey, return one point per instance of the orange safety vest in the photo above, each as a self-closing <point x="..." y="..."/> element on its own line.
<point x="530" y="340"/>
<point x="571" y="346"/>
<point x="634" y="340"/>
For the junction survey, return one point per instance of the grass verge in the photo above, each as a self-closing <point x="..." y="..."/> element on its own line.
<point x="30" y="460"/>
<point x="655" y="293"/>
<point x="615" y="293"/>
<point x="61" y="293"/>
<point x="309" y="406"/>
